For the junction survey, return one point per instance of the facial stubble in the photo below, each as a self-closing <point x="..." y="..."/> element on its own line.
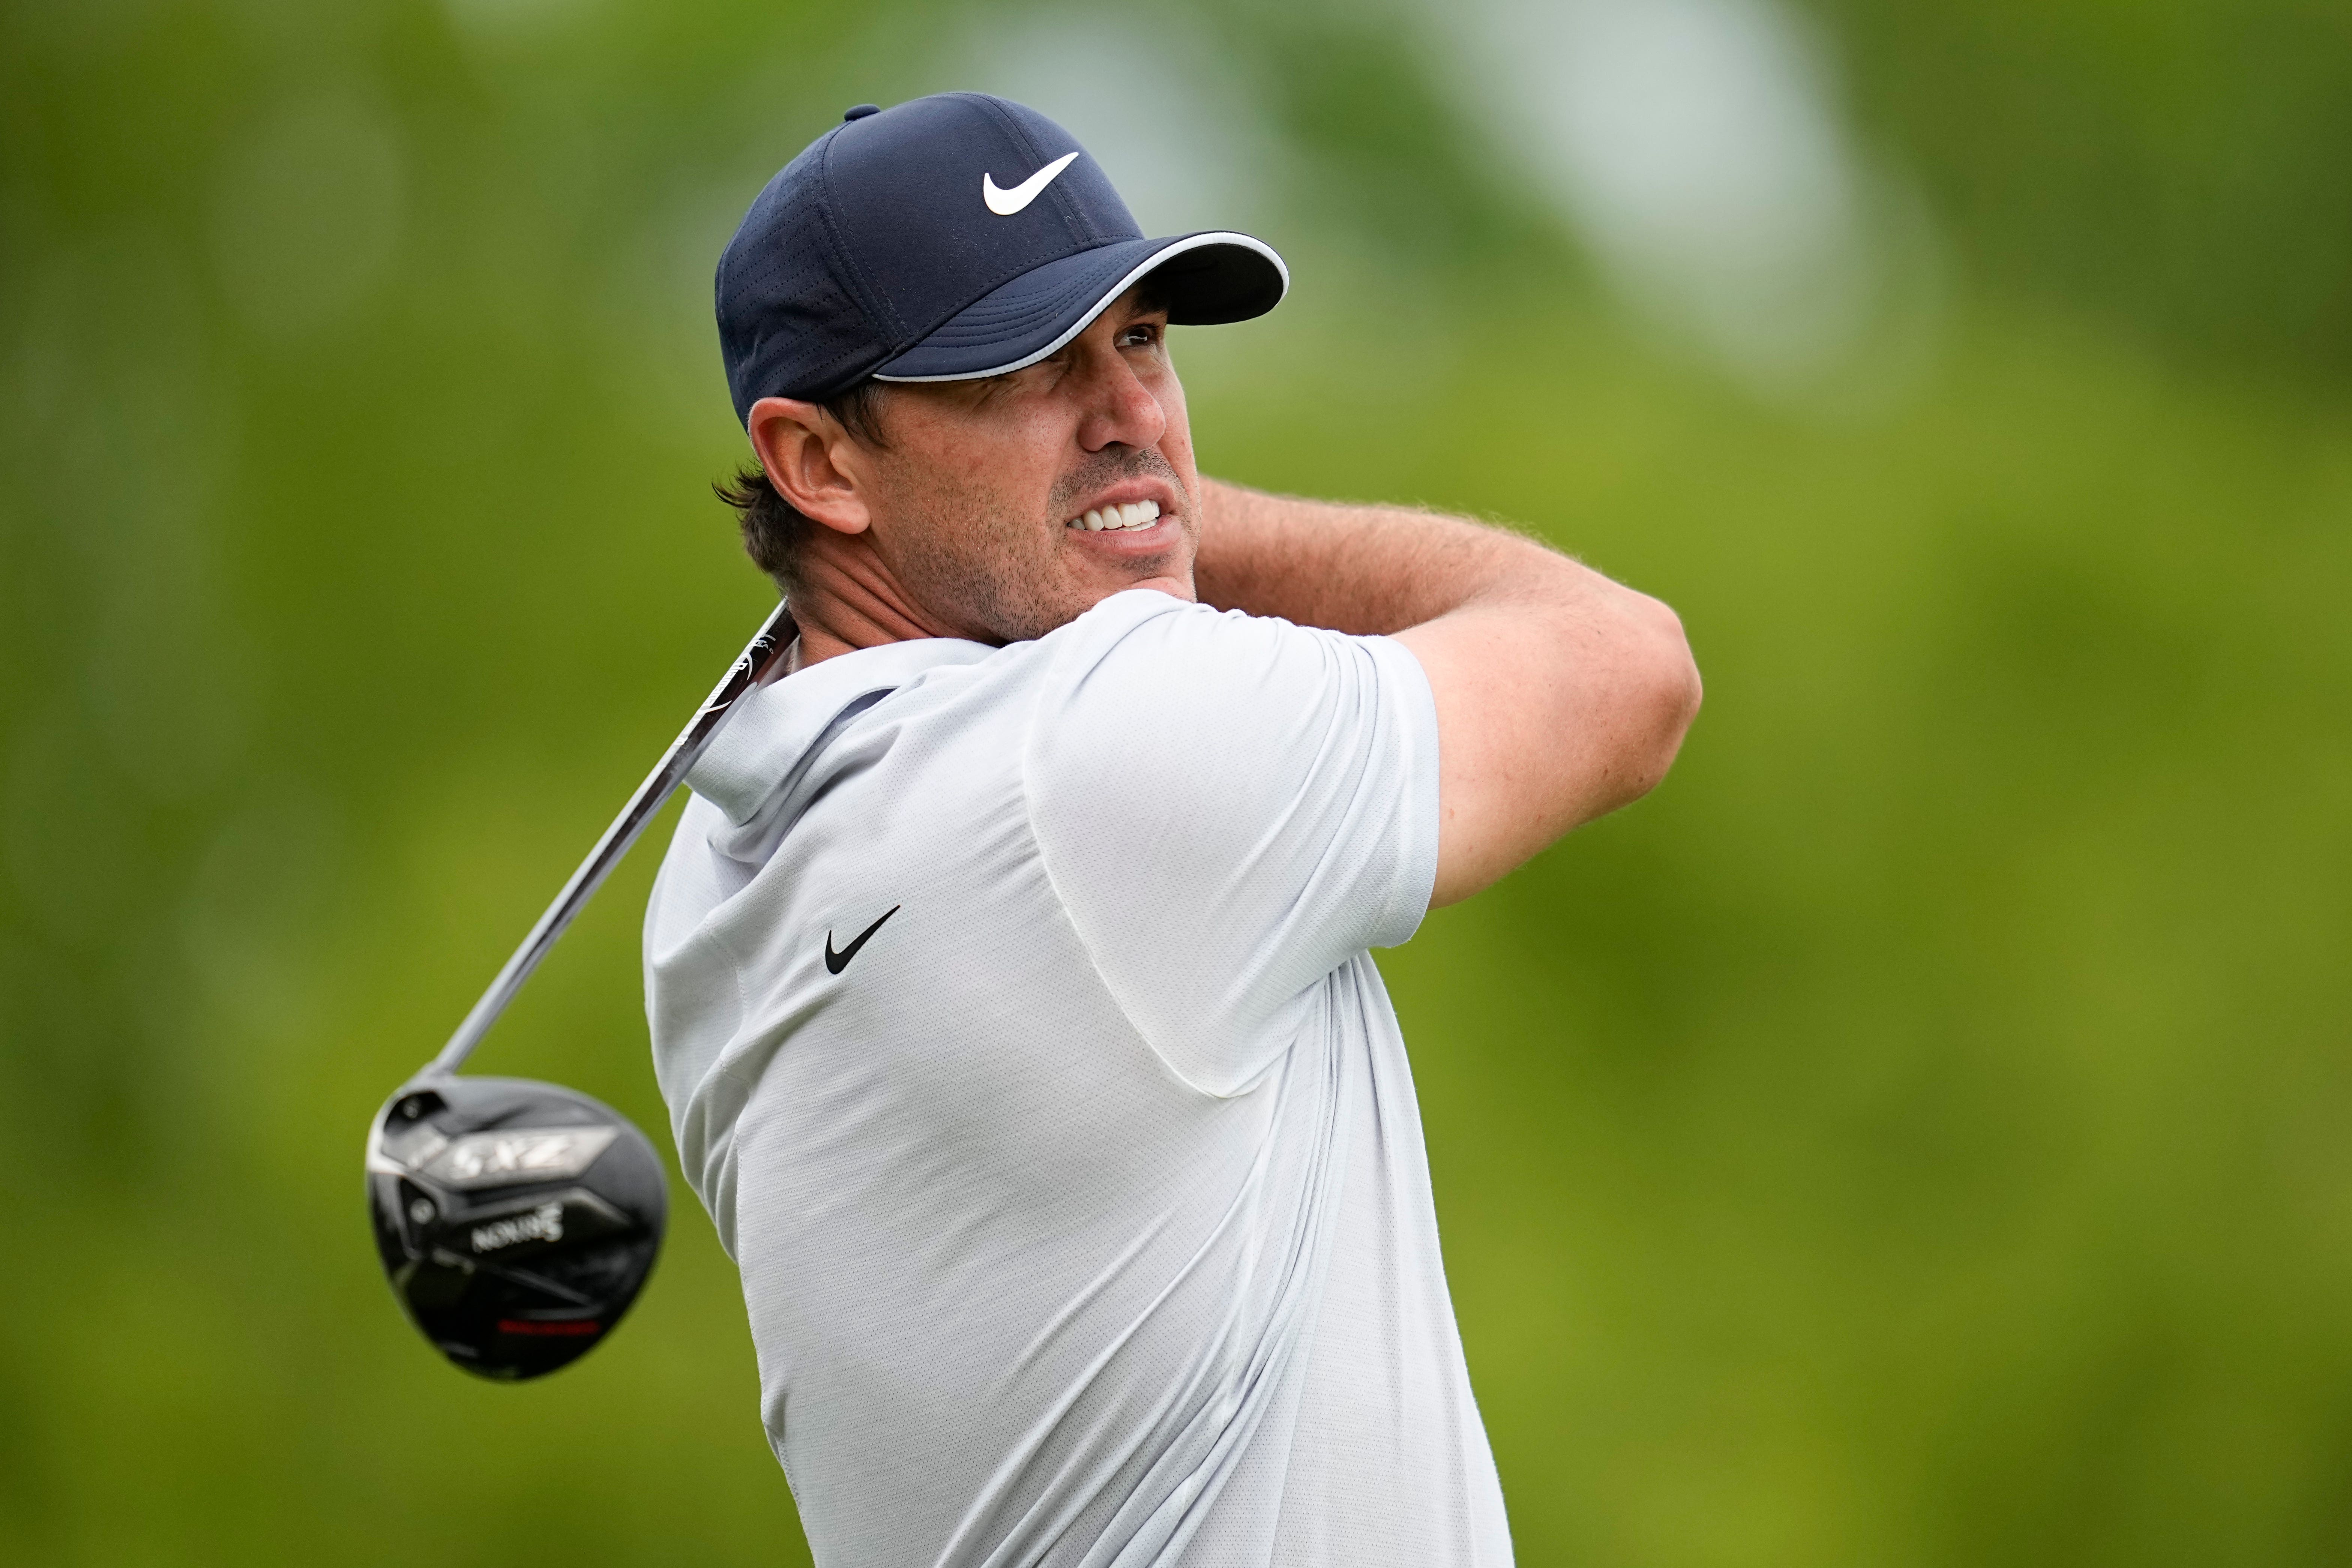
<point x="999" y="573"/>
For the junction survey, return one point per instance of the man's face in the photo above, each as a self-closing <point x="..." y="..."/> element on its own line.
<point x="979" y="502"/>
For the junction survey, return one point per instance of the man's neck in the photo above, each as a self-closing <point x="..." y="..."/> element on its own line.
<point x="848" y="599"/>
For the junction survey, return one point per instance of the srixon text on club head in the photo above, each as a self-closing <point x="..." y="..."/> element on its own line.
<point x="516" y="1220"/>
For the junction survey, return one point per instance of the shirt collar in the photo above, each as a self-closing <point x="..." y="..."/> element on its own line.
<point x="774" y="726"/>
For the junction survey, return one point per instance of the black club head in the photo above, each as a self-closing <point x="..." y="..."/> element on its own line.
<point x="516" y="1220"/>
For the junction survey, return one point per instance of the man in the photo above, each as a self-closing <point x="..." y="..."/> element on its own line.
<point x="1009" y="974"/>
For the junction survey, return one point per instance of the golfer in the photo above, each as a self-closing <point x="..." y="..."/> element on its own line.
<point x="1009" y="974"/>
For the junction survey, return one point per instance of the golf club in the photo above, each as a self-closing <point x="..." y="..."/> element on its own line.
<point x="516" y="1220"/>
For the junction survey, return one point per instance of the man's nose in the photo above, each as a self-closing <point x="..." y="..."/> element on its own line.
<point x="1120" y="410"/>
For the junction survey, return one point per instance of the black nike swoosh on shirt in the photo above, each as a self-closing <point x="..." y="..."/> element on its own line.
<point x="834" y="962"/>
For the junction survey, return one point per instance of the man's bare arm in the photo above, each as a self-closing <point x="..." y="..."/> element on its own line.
<point x="1560" y="695"/>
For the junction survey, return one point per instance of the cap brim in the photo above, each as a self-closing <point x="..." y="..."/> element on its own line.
<point x="1209" y="277"/>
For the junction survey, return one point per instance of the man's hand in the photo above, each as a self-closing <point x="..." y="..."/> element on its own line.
<point x="1560" y="695"/>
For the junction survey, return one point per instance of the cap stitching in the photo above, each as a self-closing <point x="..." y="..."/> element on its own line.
<point x="1055" y="193"/>
<point x="908" y="340"/>
<point x="877" y="308"/>
<point x="1157" y="258"/>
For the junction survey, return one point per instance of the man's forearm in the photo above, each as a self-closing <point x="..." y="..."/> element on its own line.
<point x="1372" y="570"/>
<point x="1560" y="695"/>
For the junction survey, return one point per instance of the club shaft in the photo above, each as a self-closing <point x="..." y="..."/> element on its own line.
<point x="668" y="775"/>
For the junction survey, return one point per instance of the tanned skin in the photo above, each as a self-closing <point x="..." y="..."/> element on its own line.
<point x="1560" y="695"/>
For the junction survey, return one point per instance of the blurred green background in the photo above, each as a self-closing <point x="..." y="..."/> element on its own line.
<point x="1914" y="1136"/>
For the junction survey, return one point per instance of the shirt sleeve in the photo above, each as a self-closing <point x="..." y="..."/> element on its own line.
<point x="1231" y="807"/>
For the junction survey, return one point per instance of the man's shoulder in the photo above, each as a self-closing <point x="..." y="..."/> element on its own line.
<point x="1117" y="616"/>
<point x="1157" y="639"/>
<point x="1182" y="690"/>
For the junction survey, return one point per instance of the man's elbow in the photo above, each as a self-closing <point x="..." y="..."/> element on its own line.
<point x="1659" y="696"/>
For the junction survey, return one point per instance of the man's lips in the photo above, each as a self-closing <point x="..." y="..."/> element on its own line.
<point x="1134" y="517"/>
<point x="1135" y="506"/>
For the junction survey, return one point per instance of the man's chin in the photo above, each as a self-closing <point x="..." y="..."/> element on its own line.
<point x="1175" y="585"/>
<point x="1168" y="569"/>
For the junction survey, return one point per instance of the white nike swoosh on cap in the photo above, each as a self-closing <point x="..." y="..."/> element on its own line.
<point x="1004" y="203"/>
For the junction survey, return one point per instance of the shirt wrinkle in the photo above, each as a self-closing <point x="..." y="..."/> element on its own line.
<point x="1081" y="1211"/>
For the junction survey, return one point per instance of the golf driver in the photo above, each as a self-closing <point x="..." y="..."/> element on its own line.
<point x="516" y="1220"/>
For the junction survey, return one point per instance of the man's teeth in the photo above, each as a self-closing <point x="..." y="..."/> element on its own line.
<point x="1135" y="514"/>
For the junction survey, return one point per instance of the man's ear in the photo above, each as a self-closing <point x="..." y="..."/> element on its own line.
<point x="813" y="462"/>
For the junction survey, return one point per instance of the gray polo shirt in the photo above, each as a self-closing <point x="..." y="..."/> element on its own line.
<point x="1015" y="1015"/>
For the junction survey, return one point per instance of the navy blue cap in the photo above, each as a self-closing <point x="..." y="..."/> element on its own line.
<point x="947" y="238"/>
